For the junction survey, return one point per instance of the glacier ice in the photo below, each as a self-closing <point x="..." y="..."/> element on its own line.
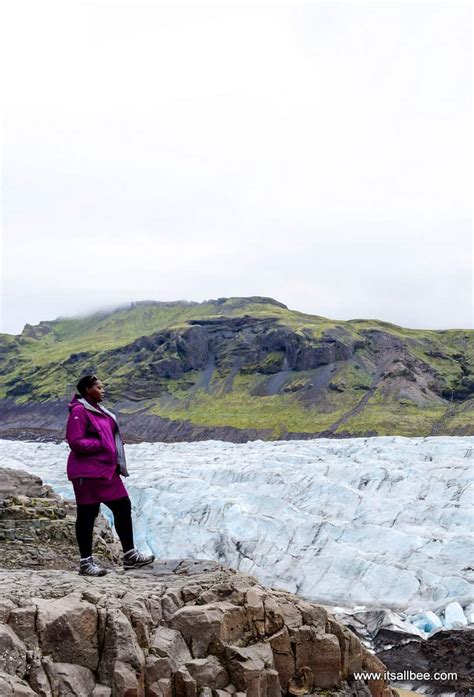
<point x="454" y="616"/>
<point x="427" y="621"/>
<point x="375" y="521"/>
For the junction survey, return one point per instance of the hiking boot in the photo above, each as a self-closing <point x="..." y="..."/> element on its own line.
<point x="133" y="559"/>
<point x="88" y="567"/>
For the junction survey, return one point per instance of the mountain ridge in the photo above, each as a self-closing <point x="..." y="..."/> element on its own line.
<point x="244" y="368"/>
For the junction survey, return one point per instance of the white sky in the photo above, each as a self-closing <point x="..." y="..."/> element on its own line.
<point x="318" y="153"/>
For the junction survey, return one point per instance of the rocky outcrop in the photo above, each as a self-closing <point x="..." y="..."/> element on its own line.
<point x="36" y="331"/>
<point x="37" y="527"/>
<point x="182" y="628"/>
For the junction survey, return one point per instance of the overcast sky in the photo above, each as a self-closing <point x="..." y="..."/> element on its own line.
<point x="318" y="153"/>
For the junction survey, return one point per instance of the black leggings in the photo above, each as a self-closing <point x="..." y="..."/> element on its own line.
<point x="86" y="515"/>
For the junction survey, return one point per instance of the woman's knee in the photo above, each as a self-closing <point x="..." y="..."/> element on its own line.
<point x="121" y="506"/>
<point x="87" y="512"/>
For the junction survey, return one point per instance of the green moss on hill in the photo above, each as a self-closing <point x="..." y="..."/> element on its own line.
<point x="251" y="363"/>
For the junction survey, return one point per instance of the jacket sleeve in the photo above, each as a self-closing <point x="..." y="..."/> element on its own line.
<point x="76" y="434"/>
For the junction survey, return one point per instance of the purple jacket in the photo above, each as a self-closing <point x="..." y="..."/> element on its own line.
<point x="95" y="450"/>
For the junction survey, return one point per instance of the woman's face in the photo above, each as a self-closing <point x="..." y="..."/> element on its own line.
<point x="96" y="392"/>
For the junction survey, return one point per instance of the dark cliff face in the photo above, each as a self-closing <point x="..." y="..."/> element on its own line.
<point x="242" y="343"/>
<point x="239" y="369"/>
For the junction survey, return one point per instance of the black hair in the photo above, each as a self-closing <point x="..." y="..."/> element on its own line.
<point x="85" y="382"/>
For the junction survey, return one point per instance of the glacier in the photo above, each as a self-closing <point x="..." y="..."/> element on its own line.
<point x="383" y="521"/>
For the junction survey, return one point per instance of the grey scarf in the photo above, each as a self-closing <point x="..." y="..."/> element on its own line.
<point x="121" y="461"/>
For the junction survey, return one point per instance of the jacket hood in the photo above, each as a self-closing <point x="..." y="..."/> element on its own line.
<point x="77" y="399"/>
<point x="74" y="402"/>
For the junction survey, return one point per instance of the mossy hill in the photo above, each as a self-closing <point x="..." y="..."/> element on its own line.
<point x="240" y="368"/>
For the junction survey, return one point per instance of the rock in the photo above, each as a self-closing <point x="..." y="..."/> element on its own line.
<point x="283" y="658"/>
<point x="40" y="526"/>
<point x="126" y="682"/>
<point x="67" y="630"/>
<point x="12" y="652"/>
<point x="248" y="668"/>
<point x="291" y="615"/>
<point x="208" y="672"/>
<point x="38" y="679"/>
<point x="169" y="643"/>
<point x="219" y="624"/>
<point x="162" y="688"/>
<point x="313" y="615"/>
<point x="158" y="676"/>
<point x="23" y="485"/>
<point x="6" y="607"/>
<point x="101" y="691"/>
<point x="171" y="602"/>
<point x="350" y="647"/>
<point x="23" y="620"/>
<point x="319" y="652"/>
<point x="273" y="683"/>
<point x="184" y="684"/>
<point x="139" y="617"/>
<point x="273" y="617"/>
<point x="12" y="686"/>
<point x="301" y="683"/>
<point x="121" y="654"/>
<point x="239" y="645"/>
<point x="372" y="664"/>
<point x="68" y="679"/>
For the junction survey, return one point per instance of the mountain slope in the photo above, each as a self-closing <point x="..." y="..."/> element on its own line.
<point x="239" y="368"/>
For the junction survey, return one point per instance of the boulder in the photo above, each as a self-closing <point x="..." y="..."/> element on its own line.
<point x="283" y="658"/>
<point x="120" y="650"/>
<point x="69" y="679"/>
<point x="67" y="630"/>
<point x="126" y="682"/>
<point x="208" y="628"/>
<point x="184" y="684"/>
<point x="169" y="643"/>
<point x="171" y="602"/>
<point x="319" y="652"/>
<point x="208" y="672"/>
<point x="371" y="664"/>
<point x="158" y="676"/>
<point x="248" y="668"/>
<point x="351" y="649"/>
<point x="23" y="622"/>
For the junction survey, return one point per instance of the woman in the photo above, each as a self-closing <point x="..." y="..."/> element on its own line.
<point x="95" y="463"/>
